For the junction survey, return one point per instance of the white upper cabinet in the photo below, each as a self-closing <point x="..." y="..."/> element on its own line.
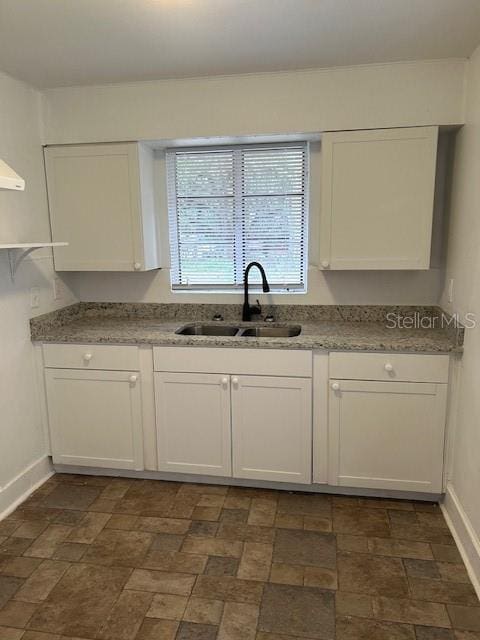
<point x="377" y="198"/>
<point x="101" y="202"/>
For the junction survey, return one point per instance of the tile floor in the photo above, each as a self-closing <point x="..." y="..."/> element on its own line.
<point x="114" y="559"/>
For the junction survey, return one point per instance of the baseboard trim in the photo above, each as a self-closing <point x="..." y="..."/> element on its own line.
<point x="24" y="484"/>
<point x="464" y="534"/>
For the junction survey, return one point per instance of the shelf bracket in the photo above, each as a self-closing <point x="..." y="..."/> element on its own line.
<point x="17" y="256"/>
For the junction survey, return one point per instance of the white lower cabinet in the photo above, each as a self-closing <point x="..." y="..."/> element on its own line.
<point x="272" y="428"/>
<point x="193" y="423"/>
<point x="261" y="423"/>
<point x="387" y="435"/>
<point x="378" y="421"/>
<point x="95" y="418"/>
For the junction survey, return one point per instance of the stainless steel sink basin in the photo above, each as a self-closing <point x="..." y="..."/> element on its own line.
<point x="207" y="330"/>
<point x="194" y="329"/>
<point x="271" y="332"/>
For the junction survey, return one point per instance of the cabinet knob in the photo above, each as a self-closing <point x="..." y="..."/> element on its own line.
<point x="137" y="266"/>
<point x="87" y="357"/>
<point x="133" y="379"/>
<point x="335" y="386"/>
<point x="325" y="264"/>
<point x="225" y="382"/>
<point x="235" y="382"/>
<point x="389" y="367"/>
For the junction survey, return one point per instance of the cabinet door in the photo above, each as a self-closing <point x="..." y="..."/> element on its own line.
<point x="96" y="205"/>
<point x="387" y="435"/>
<point x="95" y="418"/>
<point x="377" y="198"/>
<point x="272" y="428"/>
<point x="193" y="423"/>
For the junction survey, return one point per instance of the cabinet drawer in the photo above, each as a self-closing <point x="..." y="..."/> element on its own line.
<point x="91" y="356"/>
<point x="261" y="362"/>
<point x="389" y="366"/>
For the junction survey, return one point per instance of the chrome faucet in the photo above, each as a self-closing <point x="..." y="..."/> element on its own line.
<point x="247" y="308"/>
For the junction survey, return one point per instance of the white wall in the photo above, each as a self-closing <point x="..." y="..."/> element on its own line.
<point x="463" y="265"/>
<point x="389" y="95"/>
<point x="362" y="97"/>
<point x="23" y="218"/>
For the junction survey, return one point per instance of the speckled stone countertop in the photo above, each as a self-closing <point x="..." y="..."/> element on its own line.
<point x="329" y="327"/>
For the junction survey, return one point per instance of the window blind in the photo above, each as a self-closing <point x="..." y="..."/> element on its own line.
<point x="231" y="205"/>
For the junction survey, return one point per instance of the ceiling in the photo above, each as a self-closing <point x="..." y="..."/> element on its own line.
<point x="51" y="43"/>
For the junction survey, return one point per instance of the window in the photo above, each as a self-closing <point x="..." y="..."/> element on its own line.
<point x="231" y="205"/>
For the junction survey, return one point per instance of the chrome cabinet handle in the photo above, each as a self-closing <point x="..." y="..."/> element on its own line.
<point x="335" y="386"/>
<point x="389" y="367"/>
<point x="224" y="382"/>
<point x="133" y="379"/>
<point x="235" y="382"/>
<point x="87" y="357"/>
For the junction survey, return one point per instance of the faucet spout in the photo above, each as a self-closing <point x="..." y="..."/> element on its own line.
<point x="247" y="308"/>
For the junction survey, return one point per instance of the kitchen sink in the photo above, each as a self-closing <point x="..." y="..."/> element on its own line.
<point x="271" y="332"/>
<point x="241" y="332"/>
<point x="207" y="330"/>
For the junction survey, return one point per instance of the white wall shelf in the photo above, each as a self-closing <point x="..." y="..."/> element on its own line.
<point x="17" y="252"/>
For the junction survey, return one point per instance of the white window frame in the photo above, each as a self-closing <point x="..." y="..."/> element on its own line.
<point x="287" y="288"/>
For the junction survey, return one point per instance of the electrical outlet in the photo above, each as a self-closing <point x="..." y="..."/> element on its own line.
<point x="34" y="298"/>
<point x="450" y="290"/>
<point x="58" y="288"/>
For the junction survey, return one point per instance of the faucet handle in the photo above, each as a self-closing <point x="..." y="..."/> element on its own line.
<point x="256" y="308"/>
<point x="218" y="317"/>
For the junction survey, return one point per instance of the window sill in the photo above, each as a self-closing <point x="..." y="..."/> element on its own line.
<point x="240" y="292"/>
